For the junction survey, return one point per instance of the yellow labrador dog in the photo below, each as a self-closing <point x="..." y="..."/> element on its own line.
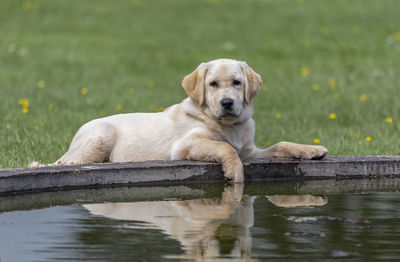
<point x="213" y="124"/>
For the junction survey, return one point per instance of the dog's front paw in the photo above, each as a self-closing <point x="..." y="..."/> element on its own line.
<point x="309" y="152"/>
<point x="234" y="171"/>
<point x="298" y="151"/>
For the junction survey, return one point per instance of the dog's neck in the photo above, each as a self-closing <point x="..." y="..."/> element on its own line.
<point x="204" y="114"/>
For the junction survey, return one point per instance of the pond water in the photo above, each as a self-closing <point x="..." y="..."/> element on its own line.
<point x="351" y="221"/>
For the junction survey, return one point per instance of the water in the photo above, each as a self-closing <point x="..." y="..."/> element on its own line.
<point x="305" y="221"/>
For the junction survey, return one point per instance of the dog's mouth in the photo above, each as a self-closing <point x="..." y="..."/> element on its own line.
<point x="228" y="114"/>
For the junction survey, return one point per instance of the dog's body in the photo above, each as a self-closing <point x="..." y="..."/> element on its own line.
<point x="213" y="124"/>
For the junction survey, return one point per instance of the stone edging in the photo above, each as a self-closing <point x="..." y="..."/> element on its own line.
<point x="15" y="181"/>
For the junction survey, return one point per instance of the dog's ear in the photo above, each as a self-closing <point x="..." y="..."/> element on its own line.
<point x="194" y="83"/>
<point x="253" y="82"/>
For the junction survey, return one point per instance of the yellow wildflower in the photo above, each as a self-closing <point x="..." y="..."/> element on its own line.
<point x="118" y="107"/>
<point x="36" y="127"/>
<point x="324" y="30"/>
<point x="150" y="84"/>
<point x="41" y="84"/>
<point x="84" y="91"/>
<point x="315" y="87"/>
<point x="306" y="42"/>
<point x="396" y="36"/>
<point x="332" y="116"/>
<point x="102" y="112"/>
<point x="136" y="2"/>
<point x="24" y="102"/>
<point x="278" y="116"/>
<point x="26" y="5"/>
<point x="363" y="97"/>
<point x="389" y="120"/>
<point x="267" y="143"/>
<point x="357" y="136"/>
<point x="368" y="139"/>
<point x="160" y="55"/>
<point x="265" y="88"/>
<point x="50" y="107"/>
<point x="332" y="82"/>
<point x="42" y="123"/>
<point x="304" y="71"/>
<point x="132" y="90"/>
<point x="157" y="109"/>
<point x="316" y="141"/>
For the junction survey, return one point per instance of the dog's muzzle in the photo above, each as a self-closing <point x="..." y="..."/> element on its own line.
<point x="227" y="104"/>
<point x="227" y="107"/>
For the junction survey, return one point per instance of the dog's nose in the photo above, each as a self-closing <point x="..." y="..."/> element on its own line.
<point x="227" y="103"/>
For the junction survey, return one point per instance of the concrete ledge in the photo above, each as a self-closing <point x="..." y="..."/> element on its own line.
<point x="15" y="181"/>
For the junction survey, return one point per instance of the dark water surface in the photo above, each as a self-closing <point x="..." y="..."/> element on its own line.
<point x="324" y="220"/>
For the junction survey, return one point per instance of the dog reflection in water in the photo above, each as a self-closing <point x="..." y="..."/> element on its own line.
<point x="306" y="200"/>
<point x="206" y="228"/>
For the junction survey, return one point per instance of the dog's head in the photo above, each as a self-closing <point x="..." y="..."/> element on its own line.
<point x="226" y="87"/>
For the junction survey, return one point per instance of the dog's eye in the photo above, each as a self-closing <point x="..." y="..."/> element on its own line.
<point x="214" y="84"/>
<point x="236" y="82"/>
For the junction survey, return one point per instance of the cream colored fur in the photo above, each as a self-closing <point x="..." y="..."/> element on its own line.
<point x="196" y="224"/>
<point x="199" y="128"/>
<point x="200" y="224"/>
<point x="305" y="200"/>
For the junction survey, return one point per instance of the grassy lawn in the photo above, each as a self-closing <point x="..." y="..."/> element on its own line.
<point x="330" y="68"/>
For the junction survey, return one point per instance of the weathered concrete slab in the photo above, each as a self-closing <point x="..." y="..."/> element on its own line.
<point x="14" y="181"/>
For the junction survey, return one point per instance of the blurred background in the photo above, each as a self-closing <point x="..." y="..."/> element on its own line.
<point x="330" y="69"/>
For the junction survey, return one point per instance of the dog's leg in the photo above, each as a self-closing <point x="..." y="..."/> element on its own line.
<point x="204" y="149"/>
<point x="232" y="194"/>
<point x="93" y="150"/>
<point x="92" y="143"/>
<point x="286" y="150"/>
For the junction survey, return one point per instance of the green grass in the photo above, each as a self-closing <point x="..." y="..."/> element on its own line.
<point x="110" y="47"/>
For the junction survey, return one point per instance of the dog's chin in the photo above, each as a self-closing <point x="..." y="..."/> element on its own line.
<point x="228" y="116"/>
